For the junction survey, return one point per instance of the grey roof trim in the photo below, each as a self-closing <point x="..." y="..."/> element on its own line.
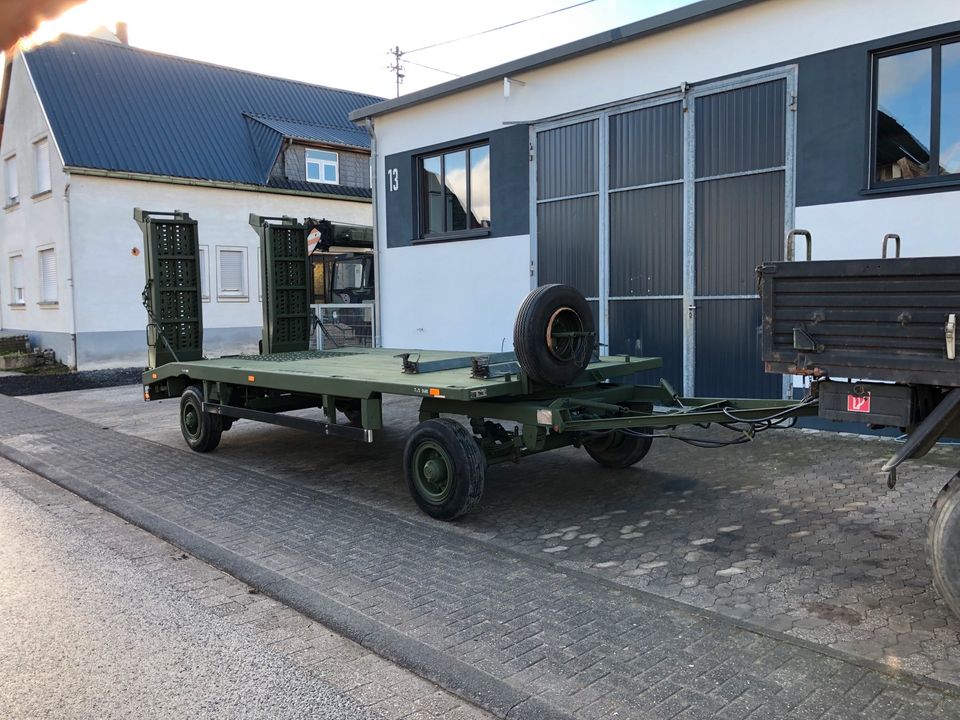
<point x="171" y="180"/>
<point x="648" y="26"/>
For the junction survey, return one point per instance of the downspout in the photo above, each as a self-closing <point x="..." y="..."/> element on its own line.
<point x="378" y="278"/>
<point x="73" y="287"/>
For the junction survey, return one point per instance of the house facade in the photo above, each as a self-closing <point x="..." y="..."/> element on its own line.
<point x="654" y="166"/>
<point x="94" y="128"/>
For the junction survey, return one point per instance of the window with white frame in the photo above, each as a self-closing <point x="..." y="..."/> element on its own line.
<point x="11" y="184"/>
<point x="41" y="166"/>
<point x="204" y="273"/>
<point x="48" y="276"/>
<point x="17" y="296"/>
<point x="231" y="273"/>
<point x="323" y="166"/>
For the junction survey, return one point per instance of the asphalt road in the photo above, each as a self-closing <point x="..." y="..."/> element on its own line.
<point x="85" y="634"/>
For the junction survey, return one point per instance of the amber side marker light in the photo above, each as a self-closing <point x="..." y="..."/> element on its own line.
<point x="153" y="375"/>
<point x="250" y="378"/>
<point x="434" y="391"/>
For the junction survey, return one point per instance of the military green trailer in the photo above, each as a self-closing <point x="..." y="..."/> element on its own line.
<point x="553" y="391"/>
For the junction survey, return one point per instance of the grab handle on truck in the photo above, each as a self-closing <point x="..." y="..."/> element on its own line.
<point x="791" y="243"/>
<point x="886" y="237"/>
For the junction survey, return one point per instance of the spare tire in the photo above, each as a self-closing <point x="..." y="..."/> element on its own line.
<point x="554" y="335"/>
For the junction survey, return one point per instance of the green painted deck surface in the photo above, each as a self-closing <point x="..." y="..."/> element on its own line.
<point x="358" y="372"/>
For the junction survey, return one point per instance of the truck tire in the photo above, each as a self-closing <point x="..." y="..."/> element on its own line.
<point x="445" y="468"/>
<point x="200" y="430"/>
<point x="618" y="450"/>
<point x="545" y="312"/>
<point x="943" y="543"/>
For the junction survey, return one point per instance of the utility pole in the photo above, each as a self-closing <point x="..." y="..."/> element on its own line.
<point x="397" y="66"/>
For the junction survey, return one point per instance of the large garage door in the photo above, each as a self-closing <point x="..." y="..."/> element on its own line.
<point x="660" y="211"/>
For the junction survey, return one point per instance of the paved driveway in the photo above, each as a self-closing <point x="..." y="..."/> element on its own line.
<point x="795" y="533"/>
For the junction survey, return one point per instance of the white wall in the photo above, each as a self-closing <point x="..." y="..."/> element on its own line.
<point x="34" y="223"/>
<point x="451" y="296"/>
<point x="110" y="278"/>
<point x="927" y="225"/>
<point x="764" y="34"/>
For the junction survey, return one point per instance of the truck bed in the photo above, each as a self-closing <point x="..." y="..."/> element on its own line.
<point x="880" y="319"/>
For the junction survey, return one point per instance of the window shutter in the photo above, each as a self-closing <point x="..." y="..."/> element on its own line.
<point x="16" y="279"/>
<point x="204" y="274"/>
<point x="231" y="272"/>
<point x="48" y="276"/>
<point x="10" y="181"/>
<point x="41" y="153"/>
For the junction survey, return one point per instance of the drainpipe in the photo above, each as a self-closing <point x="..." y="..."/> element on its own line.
<point x="374" y="185"/>
<point x="73" y="286"/>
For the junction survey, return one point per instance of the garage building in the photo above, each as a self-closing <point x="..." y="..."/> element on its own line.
<point x="655" y="165"/>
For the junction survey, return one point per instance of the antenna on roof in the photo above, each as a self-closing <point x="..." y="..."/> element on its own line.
<point x="397" y="67"/>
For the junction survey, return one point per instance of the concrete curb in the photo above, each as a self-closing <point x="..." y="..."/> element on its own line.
<point x="453" y="675"/>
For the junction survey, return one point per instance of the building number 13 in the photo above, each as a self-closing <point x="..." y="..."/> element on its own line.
<point x="393" y="180"/>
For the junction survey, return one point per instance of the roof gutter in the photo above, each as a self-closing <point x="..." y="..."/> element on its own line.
<point x="221" y="184"/>
<point x="649" y="26"/>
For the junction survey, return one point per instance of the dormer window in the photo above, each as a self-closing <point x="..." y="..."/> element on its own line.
<point x="323" y="167"/>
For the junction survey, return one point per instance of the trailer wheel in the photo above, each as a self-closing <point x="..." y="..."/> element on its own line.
<point x="201" y="430"/>
<point x="445" y="468"/>
<point x="943" y="543"/>
<point x="554" y="335"/>
<point x="618" y="450"/>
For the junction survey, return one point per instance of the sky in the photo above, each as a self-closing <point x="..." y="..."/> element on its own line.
<point x="346" y="44"/>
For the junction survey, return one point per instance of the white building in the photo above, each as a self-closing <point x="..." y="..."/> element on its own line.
<point x="93" y="128"/>
<point x="655" y="165"/>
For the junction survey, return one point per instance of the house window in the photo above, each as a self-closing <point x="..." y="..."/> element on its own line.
<point x="11" y="185"/>
<point x="917" y="114"/>
<point x="204" y="273"/>
<point x="323" y="167"/>
<point x="17" y="296"/>
<point x="41" y="164"/>
<point x="231" y="273"/>
<point x="48" y="276"/>
<point x="455" y="191"/>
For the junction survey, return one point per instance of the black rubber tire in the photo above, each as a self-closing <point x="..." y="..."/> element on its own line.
<point x="943" y="543"/>
<point x="202" y="432"/>
<point x="448" y="443"/>
<point x="530" y="331"/>
<point x="350" y="409"/>
<point x="618" y="450"/>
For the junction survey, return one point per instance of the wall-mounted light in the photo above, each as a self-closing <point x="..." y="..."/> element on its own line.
<point x="508" y="82"/>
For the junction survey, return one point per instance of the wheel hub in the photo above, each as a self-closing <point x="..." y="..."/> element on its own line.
<point x="432" y="472"/>
<point x="191" y="420"/>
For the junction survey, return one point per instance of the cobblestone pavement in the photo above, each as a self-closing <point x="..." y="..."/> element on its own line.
<point x="796" y="532"/>
<point x="573" y="628"/>
<point x="115" y="623"/>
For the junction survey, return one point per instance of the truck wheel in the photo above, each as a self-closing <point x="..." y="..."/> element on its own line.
<point x="618" y="450"/>
<point x="554" y="335"/>
<point x="201" y="430"/>
<point x="943" y="543"/>
<point x="445" y="468"/>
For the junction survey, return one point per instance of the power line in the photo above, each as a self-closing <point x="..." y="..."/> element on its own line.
<point x="445" y="72"/>
<point x="501" y="27"/>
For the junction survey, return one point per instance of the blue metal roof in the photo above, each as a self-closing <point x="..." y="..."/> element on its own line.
<point x="114" y="107"/>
